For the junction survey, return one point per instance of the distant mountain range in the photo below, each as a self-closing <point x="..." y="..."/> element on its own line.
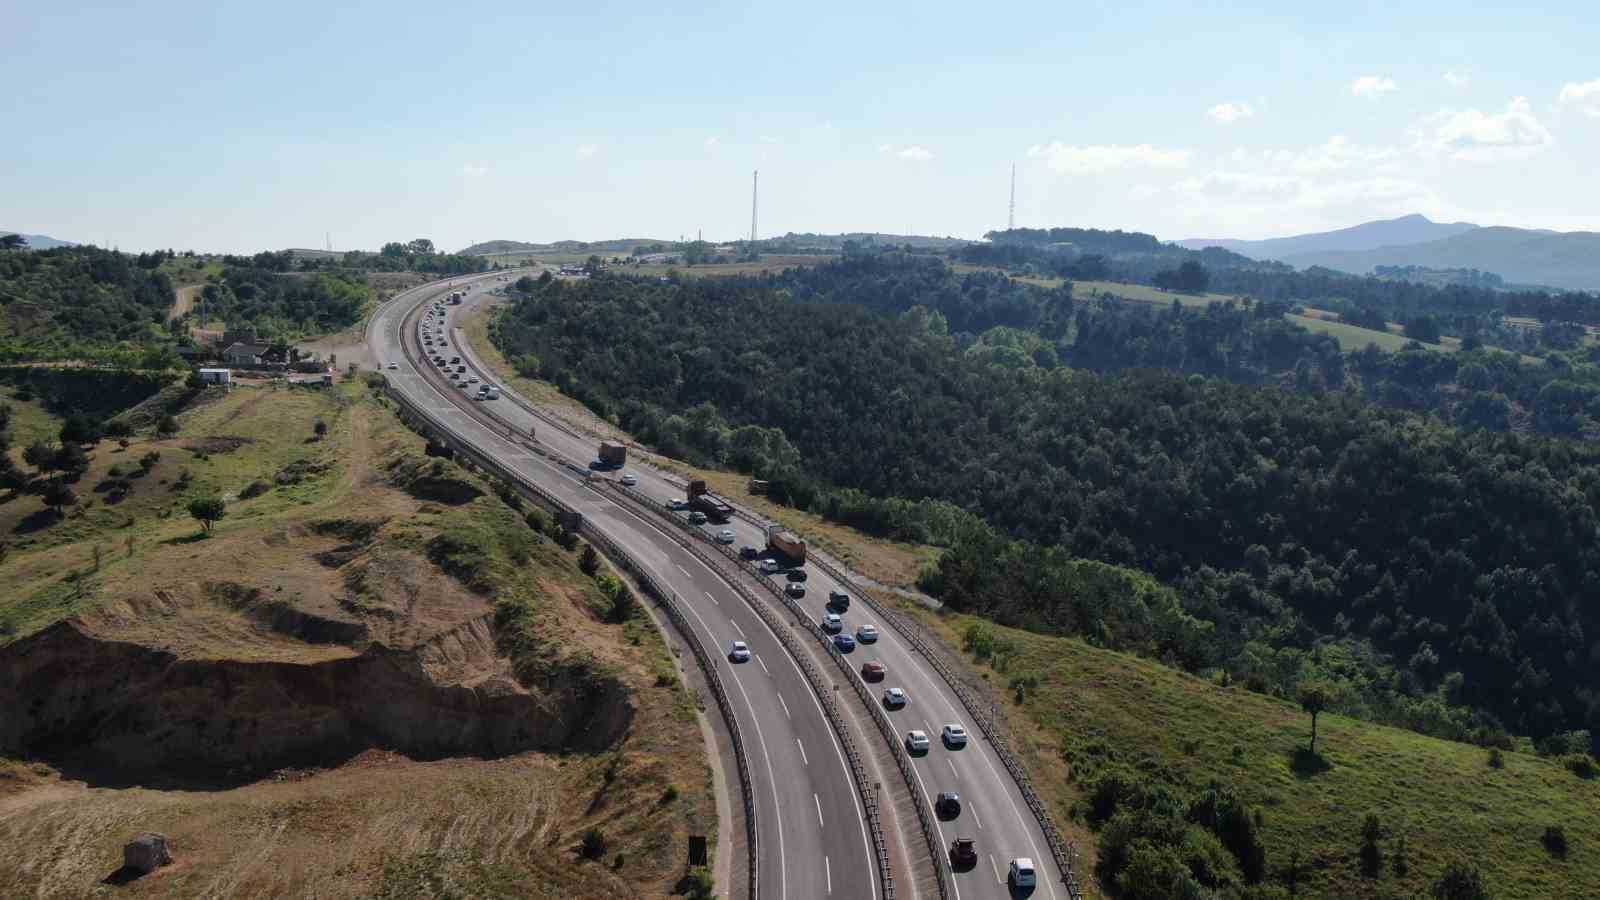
<point x="40" y="241"/>
<point x="1568" y="260"/>
<point x="494" y="248"/>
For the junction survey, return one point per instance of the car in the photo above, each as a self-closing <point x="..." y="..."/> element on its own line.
<point x="461" y="370"/>
<point x="795" y="574"/>
<point x="917" y="741"/>
<point x="894" y="698"/>
<point x="795" y="590"/>
<point x="630" y="479"/>
<point x="465" y="386"/>
<point x="1021" y="873"/>
<point x="947" y="805"/>
<point x="725" y="536"/>
<point x="697" y="518"/>
<point x="832" y="624"/>
<point x="771" y="567"/>
<point x="963" y="853"/>
<point x="844" y="642"/>
<point x="838" y="600"/>
<point x="393" y="366"/>
<point x="872" y="670"/>
<point x="748" y="552"/>
<point x="473" y="379"/>
<point x="677" y="503"/>
<point x="954" y="735"/>
<point x="739" y="652"/>
<point x="455" y="360"/>
<point x="867" y="634"/>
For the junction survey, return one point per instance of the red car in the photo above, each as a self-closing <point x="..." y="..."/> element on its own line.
<point x="872" y="670"/>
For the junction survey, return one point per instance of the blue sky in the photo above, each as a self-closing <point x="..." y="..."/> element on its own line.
<point x="242" y="126"/>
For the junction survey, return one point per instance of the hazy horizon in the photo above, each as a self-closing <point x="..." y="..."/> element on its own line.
<point x="236" y="129"/>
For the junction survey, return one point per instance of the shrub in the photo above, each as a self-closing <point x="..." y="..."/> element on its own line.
<point x="167" y="427"/>
<point x="670" y="795"/>
<point x="1555" y="840"/>
<point x="254" y="489"/>
<point x="1497" y="759"/>
<point x="149" y="460"/>
<point x="594" y="844"/>
<point x="320" y="428"/>
<point x="1581" y="765"/>
<point x="536" y="520"/>
<point x="116" y="471"/>
<point x="1460" y="880"/>
<point x="589" y="561"/>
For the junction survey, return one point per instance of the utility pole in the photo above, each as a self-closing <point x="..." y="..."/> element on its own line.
<point x="1011" y="218"/>
<point x="755" y="187"/>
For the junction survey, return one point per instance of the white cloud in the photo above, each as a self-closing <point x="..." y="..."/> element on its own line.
<point x="1457" y="79"/>
<point x="913" y="153"/>
<point x="1229" y="113"/>
<point x="711" y="143"/>
<point x="1333" y="155"/>
<point x="1477" y="136"/>
<point x="1070" y="159"/>
<point x="1585" y="96"/>
<point x="1372" y="86"/>
<point x="587" y="150"/>
<point x="1307" y="195"/>
<point x="474" y="170"/>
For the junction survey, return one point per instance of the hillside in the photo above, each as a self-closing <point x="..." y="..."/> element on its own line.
<point x="40" y="241"/>
<point x="497" y="248"/>
<point x="1569" y="260"/>
<point x="1089" y="713"/>
<point x="1412" y="229"/>
<point x="219" y="687"/>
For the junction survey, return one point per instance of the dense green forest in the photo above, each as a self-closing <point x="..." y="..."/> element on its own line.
<point x="1435" y="574"/>
<point x="286" y="306"/>
<point x="52" y="301"/>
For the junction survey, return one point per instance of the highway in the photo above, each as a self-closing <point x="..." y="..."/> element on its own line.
<point x="811" y="832"/>
<point x="993" y="811"/>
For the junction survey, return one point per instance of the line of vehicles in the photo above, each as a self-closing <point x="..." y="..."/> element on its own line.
<point x="431" y="337"/>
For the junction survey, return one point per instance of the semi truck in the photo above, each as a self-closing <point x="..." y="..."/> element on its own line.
<point x="785" y="545"/>
<point x="701" y="500"/>
<point x="612" y="456"/>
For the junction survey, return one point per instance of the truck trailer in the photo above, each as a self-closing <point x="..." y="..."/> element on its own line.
<point x="612" y="456"/>
<point x="715" y="508"/>
<point x="785" y="545"/>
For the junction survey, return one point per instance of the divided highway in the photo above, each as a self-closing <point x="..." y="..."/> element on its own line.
<point x="793" y="749"/>
<point x="811" y="831"/>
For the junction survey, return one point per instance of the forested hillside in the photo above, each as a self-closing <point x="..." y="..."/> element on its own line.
<point x="1437" y="575"/>
<point x="79" y="296"/>
<point x="286" y="306"/>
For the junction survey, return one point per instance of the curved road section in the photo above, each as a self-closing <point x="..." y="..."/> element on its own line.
<point x="811" y="832"/>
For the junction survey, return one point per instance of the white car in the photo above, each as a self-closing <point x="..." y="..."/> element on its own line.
<point x="630" y="479"/>
<point x="677" y="503"/>
<point x="771" y="567"/>
<point x="473" y="379"/>
<point x="1022" y="874"/>
<point x="739" y="652"/>
<point x="867" y="634"/>
<point x="394" y="365"/>
<point x="917" y="741"/>
<point x="954" y="735"/>
<point x="832" y="624"/>
<point x="894" y="698"/>
<point x="725" y="536"/>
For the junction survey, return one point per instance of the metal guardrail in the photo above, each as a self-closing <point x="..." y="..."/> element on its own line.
<point x="685" y="534"/>
<point x="668" y="601"/>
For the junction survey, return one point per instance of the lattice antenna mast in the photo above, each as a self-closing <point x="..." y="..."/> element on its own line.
<point x="1011" y="218"/>
<point x="755" y="188"/>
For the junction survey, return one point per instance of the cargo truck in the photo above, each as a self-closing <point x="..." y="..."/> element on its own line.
<point x="612" y="456"/>
<point x="786" y="546"/>
<point x="701" y="500"/>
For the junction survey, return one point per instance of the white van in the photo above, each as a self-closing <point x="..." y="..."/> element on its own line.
<point x="1022" y="874"/>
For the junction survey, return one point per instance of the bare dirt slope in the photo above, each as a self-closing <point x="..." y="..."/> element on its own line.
<point x="372" y="679"/>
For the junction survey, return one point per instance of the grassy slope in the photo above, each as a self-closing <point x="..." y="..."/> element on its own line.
<point x="30" y="421"/>
<point x="464" y="827"/>
<point x="1096" y="705"/>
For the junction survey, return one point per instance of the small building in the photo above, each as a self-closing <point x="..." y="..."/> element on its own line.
<point x="241" y="354"/>
<point x="216" y="376"/>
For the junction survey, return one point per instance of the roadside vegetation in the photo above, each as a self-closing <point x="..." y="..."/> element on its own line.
<point x="1184" y="783"/>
